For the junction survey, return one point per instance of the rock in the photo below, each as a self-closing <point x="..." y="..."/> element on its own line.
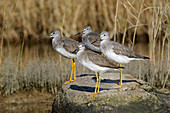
<point x="134" y="96"/>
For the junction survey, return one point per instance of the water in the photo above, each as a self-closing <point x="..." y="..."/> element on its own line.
<point x="26" y="108"/>
<point x="27" y="102"/>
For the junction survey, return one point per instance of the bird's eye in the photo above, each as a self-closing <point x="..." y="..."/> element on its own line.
<point x="53" y="33"/>
<point x="104" y="35"/>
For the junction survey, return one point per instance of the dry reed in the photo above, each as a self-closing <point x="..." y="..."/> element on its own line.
<point x="43" y="75"/>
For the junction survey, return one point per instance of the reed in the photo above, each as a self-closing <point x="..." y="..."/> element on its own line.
<point x="36" y="18"/>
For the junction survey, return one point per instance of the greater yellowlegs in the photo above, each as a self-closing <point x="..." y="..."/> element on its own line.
<point x="117" y="52"/>
<point x="95" y="62"/>
<point x="66" y="47"/>
<point x="90" y="39"/>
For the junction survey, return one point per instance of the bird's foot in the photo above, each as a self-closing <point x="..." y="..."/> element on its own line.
<point x="117" y="87"/>
<point x="93" y="95"/>
<point x="69" y="82"/>
<point x="66" y="83"/>
<point x="74" y="80"/>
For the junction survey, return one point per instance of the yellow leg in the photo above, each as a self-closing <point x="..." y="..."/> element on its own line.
<point x="74" y="71"/>
<point x="97" y="86"/>
<point x="120" y="83"/>
<point x="72" y="62"/>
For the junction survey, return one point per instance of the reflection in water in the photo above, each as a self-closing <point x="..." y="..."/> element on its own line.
<point x="26" y="108"/>
<point x="29" y="102"/>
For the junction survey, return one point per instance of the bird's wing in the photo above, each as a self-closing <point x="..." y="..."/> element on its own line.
<point x="69" y="44"/>
<point x="100" y="60"/>
<point x="123" y="50"/>
<point x="93" y="38"/>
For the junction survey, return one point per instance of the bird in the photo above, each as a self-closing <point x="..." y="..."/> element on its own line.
<point x="66" y="47"/>
<point x="117" y="52"/>
<point x="90" y="39"/>
<point x="95" y="62"/>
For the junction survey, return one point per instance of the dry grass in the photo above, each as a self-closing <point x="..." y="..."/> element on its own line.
<point x="153" y="74"/>
<point x="128" y="21"/>
<point x="40" y="74"/>
<point x="44" y="76"/>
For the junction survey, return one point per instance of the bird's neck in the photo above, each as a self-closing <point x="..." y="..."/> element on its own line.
<point x="106" y="40"/>
<point x="56" y="41"/>
<point x="85" y="33"/>
<point x="82" y="49"/>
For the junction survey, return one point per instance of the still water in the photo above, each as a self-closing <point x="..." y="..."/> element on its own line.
<point x="27" y="102"/>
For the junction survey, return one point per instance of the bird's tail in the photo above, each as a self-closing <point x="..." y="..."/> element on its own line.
<point x="121" y="67"/>
<point x="146" y="58"/>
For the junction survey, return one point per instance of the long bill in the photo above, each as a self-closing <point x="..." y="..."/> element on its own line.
<point x="78" y="33"/>
<point x="96" y="40"/>
<point x="44" y="38"/>
<point x="76" y="50"/>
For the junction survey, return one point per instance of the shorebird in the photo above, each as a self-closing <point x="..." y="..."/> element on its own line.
<point x="117" y="52"/>
<point x="95" y="62"/>
<point x="66" y="47"/>
<point x="90" y="39"/>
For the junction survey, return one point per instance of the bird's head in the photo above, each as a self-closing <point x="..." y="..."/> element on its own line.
<point x="104" y="35"/>
<point x="86" y="30"/>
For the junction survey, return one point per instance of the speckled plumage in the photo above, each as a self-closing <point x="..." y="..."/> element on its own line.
<point x="65" y="46"/>
<point x="95" y="61"/>
<point x="69" y="44"/>
<point x="120" y="49"/>
<point x="98" y="59"/>
<point x="116" y="51"/>
<point x="91" y="39"/>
